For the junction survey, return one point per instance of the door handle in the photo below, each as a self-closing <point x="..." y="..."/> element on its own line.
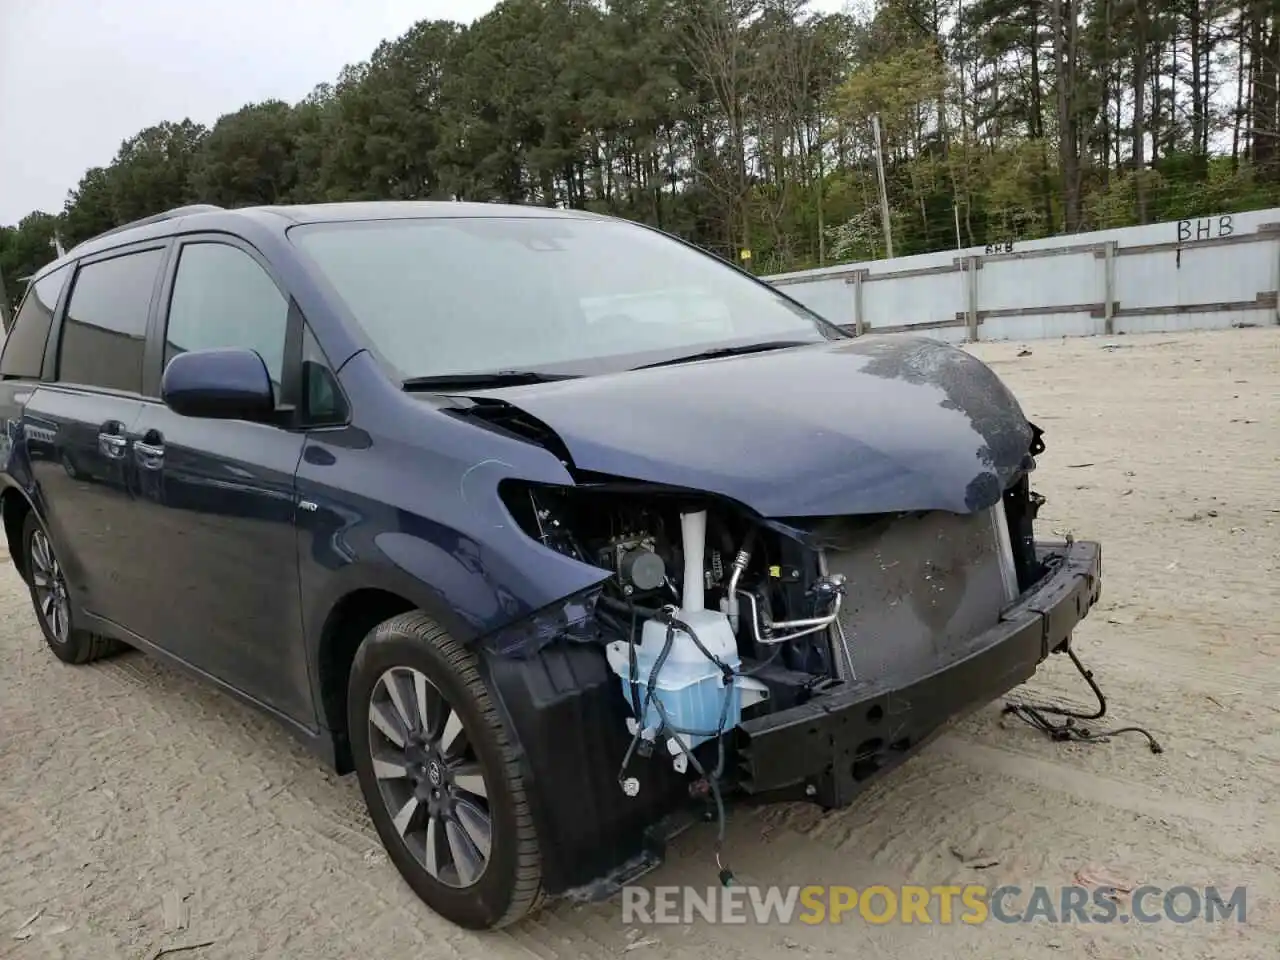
<point x="148" y="455"/>
<point x="111" y="440"/>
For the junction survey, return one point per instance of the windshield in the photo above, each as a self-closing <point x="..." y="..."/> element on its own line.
<point x="440" y="296"/>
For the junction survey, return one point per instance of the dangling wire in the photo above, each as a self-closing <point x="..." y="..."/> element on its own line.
<point x="712" y="779"/>
<point x="1037" y="715"/>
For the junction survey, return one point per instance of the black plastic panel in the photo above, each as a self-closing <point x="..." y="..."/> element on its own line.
<point x="569" y="713"/>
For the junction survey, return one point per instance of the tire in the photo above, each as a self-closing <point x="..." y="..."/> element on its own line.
<point x="442" y="791"/>
<point x="47" y="585"/>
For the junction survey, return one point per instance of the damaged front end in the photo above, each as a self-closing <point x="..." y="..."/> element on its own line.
<point x="725" y="654"/>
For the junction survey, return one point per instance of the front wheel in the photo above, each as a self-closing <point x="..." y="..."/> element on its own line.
<point x="439" y="775"/>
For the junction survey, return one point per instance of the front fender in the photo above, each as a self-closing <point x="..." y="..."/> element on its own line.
<point x="414" y="510"/>
<point x="475" y="573"/>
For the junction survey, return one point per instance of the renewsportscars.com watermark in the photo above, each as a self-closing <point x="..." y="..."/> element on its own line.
<point x="930" y="905"/>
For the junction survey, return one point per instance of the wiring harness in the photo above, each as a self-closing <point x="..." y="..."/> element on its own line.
<point x="1038" y="714"/>
<point x="638" y="744"/>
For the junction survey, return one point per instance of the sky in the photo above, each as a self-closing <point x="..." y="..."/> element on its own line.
<point x="77" y="77"/>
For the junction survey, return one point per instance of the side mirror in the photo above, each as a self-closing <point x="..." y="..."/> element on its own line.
<point x="223" y="384"/>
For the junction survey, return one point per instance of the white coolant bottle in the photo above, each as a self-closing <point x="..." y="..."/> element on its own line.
<point x="690" y="685"/>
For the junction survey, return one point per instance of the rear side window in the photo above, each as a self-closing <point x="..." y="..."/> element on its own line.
<point x="24" y="349"/>
<point x="104" y="335"/>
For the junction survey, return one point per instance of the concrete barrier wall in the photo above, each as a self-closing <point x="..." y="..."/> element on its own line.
<point x="1202" y="273"/>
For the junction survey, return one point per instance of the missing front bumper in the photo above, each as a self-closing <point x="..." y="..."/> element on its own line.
<point x="829" y="748"/>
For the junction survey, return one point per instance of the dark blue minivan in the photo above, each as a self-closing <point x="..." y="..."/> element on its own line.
<point x="561" y="534"/>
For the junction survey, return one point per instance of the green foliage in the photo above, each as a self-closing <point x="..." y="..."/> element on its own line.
<point x="24" y="249"/>
<point x="745" y="123"/>
<point x="248" y="157"/>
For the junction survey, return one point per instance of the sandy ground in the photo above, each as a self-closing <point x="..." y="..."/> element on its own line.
<point x="123" y="784"/>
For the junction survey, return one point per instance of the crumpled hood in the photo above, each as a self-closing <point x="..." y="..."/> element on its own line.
<point x="860" y="426"/>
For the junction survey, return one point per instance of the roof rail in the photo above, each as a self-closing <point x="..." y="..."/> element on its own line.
<point x="156" y="218"/>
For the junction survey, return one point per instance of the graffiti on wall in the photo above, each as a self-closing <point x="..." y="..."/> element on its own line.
<point x="1205" y="228"/>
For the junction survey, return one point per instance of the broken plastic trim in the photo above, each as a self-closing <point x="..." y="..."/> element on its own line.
<point x="572" y="619"/>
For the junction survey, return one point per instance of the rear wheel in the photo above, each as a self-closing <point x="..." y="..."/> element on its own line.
<point x="439" y="775"/>
<point x="49" y="595"/>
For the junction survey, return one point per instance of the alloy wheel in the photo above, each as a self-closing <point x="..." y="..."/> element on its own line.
<point x="429" y="777"/>
<point x="50" y="587"/>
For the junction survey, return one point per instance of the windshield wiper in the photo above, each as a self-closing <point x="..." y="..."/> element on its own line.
<point x="481" y="380"/>
<point x="728" y="352"/>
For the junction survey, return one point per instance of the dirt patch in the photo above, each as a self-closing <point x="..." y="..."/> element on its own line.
<point x="139" y="810"/>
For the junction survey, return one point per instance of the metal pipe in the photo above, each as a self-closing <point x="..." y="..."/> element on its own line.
<point x="835" y="580"/>
<point x="811" y="625"/>
<point x="740" y="563"/>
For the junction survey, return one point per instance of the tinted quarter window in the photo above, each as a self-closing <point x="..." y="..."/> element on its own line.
<point x="24" y="349"/>
<point x="106" y="325"/>
<point x="323" y="400"/>
<point x="223" y="298"/>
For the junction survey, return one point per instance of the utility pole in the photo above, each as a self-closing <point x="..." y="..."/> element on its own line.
<point x="884" y="192"/>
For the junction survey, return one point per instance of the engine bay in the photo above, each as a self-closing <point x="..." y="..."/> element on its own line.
<point x="711" y="615"/>
<point x="767" y="584"/>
